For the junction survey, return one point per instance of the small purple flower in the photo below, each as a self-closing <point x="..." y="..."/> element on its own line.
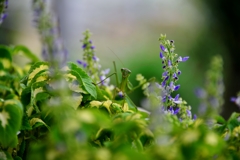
<point x="165" y="74"/>
<point x="164" y="83"/>
<point x="175" y="76"/>
<point x="6" y="4"/>
<point x="106" y="71"/>
<point x="176" y="98"/>
<point x="84" y="46"/>
<point x="164" y="99"/>
<point x="194" y="117"/>
<point x="233" y="99"/>
<point x="84" y="64"/>
<point x="185" y="59"/>
<point x="176" y="110"/>
<point x="164" y="67"/>
<point x="120" y="94"/>
<point x="166" y="78"/>
<point x="172" y="85"/>
<point x="102" y="80"/>
<point x="189" y="113"/>
<point x="95" y="58"/>
<point x="176" y="87"/>
<point x="171" y="110"/>
<point x="92" y="47"/>
<point x="79" y="62"/>
<point x="179" y="72"/>
<point x="161" y="55"/>
<point x="162" y="48"/>
<point x="200" y="93"/>
<point x="180" y="59"/>
<point x="169" y="63"/>
<point x="236" y="100"/>
<point x="4" y="16"/>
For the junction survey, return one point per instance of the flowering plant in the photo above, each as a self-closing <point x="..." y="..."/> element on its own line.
<point x="54" y="109"/>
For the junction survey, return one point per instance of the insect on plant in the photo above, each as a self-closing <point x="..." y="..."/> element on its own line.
<point x="122" y="88"/>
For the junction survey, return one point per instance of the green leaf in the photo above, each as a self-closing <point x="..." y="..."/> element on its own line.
<point x="5" y="58"/>
<point x="5" y="88"/>
<point x="38" y="92"/>
<point x="26" y="52"/>
<point x="42" y="75"/>
<point x="84" y="79"/>
<point x="5" y="156"/>
<point x="10" y="122"/>
<point x="79" y="87"/>
<point x="233" y="121"/>
<point x="36" y="68"/>
<point x="6" y="76"/>
<point x="26" y="96"/>
<point x="17" y="158"/>
<point x="42" y="96"/>
<point x="220" y="119"/>
<point x="25" y="123"/>
<point x="22" y="148"/>
<point x="36" y="122"/>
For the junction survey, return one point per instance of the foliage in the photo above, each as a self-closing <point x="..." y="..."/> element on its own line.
<point x="51" y="109"/>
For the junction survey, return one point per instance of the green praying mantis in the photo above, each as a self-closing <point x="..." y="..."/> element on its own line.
<point x="122" y="88"/>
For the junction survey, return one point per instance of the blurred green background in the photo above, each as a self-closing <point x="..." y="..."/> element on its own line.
<point x="131" y="30"/>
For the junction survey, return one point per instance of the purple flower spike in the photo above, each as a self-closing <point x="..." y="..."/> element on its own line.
<point x="162" y="48"/>
<point x="176" y="87"/>
<point x="161" y="55"/>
